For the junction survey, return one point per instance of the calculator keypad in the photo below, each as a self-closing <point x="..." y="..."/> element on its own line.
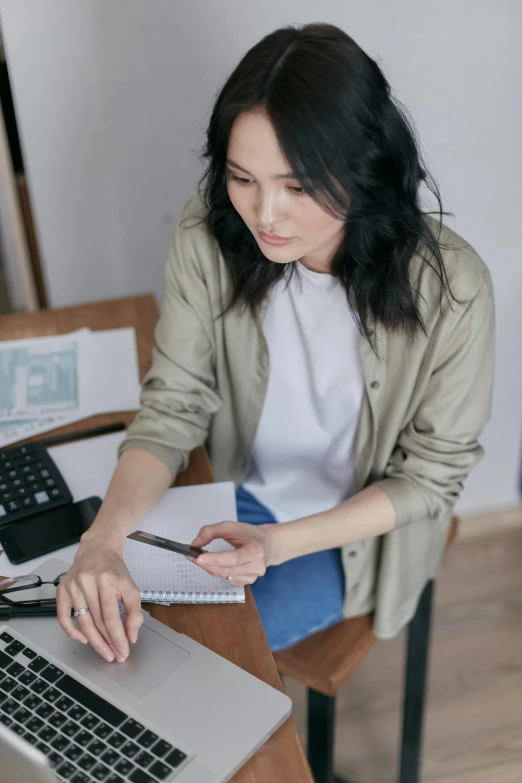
<point x="29" y="483"/>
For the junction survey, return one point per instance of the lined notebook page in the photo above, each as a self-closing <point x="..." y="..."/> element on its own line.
<point x="164" y="576"/>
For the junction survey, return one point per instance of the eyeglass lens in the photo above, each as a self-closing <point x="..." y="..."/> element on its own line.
<point x="27" y="581"/>
<point x="30" y="580"/>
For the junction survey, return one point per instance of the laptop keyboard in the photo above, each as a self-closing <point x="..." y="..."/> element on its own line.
<point x="84" y="737"/>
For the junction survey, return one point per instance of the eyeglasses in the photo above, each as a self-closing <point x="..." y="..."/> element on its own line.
<point x="15" y="584"/>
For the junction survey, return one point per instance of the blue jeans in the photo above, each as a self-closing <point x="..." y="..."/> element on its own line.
<point x="298" y="597"/>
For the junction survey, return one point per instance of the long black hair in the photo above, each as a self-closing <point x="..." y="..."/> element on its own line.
<point x="343" y="134"/>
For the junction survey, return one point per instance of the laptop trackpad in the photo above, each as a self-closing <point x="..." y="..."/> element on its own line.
<point x="151" y="660"/>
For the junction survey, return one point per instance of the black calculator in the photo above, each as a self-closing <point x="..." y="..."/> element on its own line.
<point x="30" y="483"/>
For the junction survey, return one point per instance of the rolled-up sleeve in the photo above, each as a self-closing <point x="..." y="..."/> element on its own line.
<point x="439" y="446"/>
<point x="179" y="394"/>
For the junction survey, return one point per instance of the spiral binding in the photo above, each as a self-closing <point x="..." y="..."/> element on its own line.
<point x="161" y="596"/>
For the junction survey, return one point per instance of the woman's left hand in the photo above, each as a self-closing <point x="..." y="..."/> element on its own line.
<point x="252" y="553"/>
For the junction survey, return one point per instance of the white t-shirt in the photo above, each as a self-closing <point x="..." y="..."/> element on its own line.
<point x="302" y="457"/>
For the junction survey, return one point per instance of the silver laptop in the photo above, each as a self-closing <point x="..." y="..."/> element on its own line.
<point x="174" y="711"/>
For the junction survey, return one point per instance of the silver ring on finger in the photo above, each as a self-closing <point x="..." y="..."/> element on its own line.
<point x="79" y="612"/>
<point x="229" y="578"/>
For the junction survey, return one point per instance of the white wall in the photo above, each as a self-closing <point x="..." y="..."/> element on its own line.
<point x="113" y="97"/>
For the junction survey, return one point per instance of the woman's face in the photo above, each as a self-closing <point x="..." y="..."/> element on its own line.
<point x="270" y="200"/>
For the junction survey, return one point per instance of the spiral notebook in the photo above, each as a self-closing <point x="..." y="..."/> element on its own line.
<point x="166" y="577"/>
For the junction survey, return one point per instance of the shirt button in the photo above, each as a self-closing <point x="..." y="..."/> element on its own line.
<point x="353" y="553"/>
<point x="375" y="384"/>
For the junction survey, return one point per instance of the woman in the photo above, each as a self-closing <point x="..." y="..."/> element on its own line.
<point x="306" y="244"/>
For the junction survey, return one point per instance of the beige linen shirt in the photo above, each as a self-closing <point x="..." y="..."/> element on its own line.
<point x="425" y="403"/>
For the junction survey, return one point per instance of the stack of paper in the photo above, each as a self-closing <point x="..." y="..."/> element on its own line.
<point x="48" y="382"/>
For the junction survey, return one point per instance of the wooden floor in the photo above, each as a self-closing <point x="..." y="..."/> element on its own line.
<point x="474" y="719"/>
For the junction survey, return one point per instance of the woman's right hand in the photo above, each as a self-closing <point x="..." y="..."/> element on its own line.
<point x="97" y="580"/>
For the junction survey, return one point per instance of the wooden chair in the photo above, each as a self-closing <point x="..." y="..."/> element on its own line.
<point x="324" y="661"/>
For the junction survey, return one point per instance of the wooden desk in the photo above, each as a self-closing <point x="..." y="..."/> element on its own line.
<point x="235" y="631"/>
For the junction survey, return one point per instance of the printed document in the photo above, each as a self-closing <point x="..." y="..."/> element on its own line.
<point x="49" y="382"/>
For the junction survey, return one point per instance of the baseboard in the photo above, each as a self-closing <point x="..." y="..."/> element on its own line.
<point x="490" y="522"/>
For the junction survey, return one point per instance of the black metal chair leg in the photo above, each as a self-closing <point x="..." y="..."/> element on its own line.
<point x="321" y="732"/>
<point x="415" y="688"/>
